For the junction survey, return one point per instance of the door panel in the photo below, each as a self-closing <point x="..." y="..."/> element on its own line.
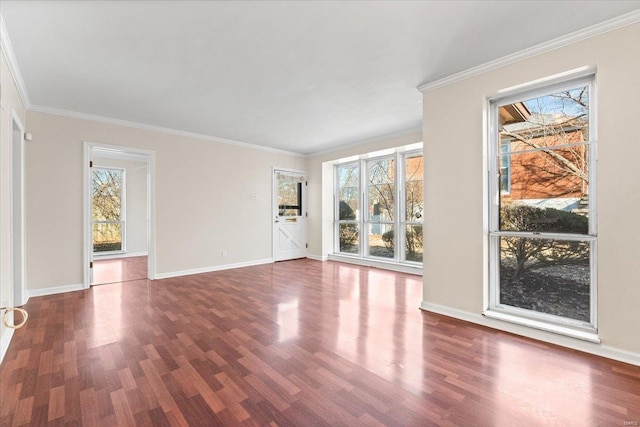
<point x="289" y="227"/>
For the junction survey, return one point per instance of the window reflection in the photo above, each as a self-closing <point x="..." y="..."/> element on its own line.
<point x="288" y="320"/>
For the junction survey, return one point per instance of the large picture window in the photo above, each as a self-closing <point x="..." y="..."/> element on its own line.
<point x="379" y="208"/>
<point x="542" y="230"/>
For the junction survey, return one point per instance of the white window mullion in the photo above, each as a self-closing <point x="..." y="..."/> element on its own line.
<point x="399" y="206"/>
<point x="364" y="216"/>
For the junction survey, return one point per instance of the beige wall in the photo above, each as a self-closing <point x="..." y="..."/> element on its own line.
<point x="9" y="99"/>
<point x="135" y="201"/>
<point x="454" y="246"/>
<point x="321" y="184"/>
<point x="203" y="198"/>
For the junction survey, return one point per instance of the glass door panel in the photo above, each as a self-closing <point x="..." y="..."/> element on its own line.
<point x="290" y="195"/>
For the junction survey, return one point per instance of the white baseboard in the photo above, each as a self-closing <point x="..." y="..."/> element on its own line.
<point x="122" y="255"/>
<point x="564" y="341"/>
<point x="5" y="341"/>
<point x="403" y="268"/>
<point x="212" y="268"/>
<point x="54" y="290"/>
<point x="317" y="257"/>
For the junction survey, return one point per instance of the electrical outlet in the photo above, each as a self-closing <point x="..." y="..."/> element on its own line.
<point x="224" y="253"/>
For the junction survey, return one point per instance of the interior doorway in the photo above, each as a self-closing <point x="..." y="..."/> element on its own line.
<point x="290" y="214"/>
<point x="119" y="214"/>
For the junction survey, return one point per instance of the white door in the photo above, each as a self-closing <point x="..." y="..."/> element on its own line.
<point x="289" y="214"/>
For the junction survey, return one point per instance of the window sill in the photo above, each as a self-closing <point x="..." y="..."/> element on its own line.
<point x="585" y="334"/>
<point x="386" y="265"/>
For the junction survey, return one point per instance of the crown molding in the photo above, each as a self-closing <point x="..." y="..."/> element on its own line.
<point x="399" y="134"/>
<point x="7" y="48"/>
<point x="577" y="36"/>
<point x="159" y="129"/>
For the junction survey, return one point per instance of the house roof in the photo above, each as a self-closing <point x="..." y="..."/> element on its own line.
<point x="513" y="113"/>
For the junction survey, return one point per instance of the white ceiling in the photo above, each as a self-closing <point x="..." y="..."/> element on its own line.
<point x="299" y="76"/>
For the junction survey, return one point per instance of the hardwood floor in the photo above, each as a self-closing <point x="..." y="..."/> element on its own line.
<point x="119" y="270"/>
<point x="295" y="343"/>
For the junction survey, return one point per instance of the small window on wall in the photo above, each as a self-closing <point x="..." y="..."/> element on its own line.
<point x="379" y="208"/>
<point x="542" y="232"/>
<point x="108" y="210"/>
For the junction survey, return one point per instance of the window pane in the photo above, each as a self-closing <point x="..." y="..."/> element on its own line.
<point x="413" y="243"/>
<point x="547" y="276"/>
<point x="505" y="168"/>
<point x="349" y="237"/>
<point x="549" y="192"/>
<point x="107" y="237"/>
<point x="414" y="188"/>
<point x="290" y="195"/>
<point x="381" y="240"/>
<point x="549" y="174"/>
<point x="348" y="191"/>
<point x="106" y="194"/>
<point x="547" y="121"/>
<point x="381" y="190"/>
<point x="550" y="177"/>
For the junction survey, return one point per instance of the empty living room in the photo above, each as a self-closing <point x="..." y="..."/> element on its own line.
<point x="307" y="213"/>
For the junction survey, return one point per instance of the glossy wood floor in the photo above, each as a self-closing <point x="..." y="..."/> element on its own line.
<point x="119" y="270"/>
<point x="297" y="343"/>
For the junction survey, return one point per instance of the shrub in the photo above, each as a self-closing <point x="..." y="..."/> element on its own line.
<point x="413" y="243"/>
<point x="348" y="233"/>
<point x="530" y="253"/>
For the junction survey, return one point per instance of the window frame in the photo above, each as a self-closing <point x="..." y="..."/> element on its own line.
<point x="336" y="212"/>
<point x="366" y="217"/>
<point x="402" y="216"/>
<point x="364" y="220"/>
<point x="493" y="307"/>
<point x="123" y="212"/>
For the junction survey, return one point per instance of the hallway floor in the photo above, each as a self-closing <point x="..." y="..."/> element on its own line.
<point x="119" y="270"/>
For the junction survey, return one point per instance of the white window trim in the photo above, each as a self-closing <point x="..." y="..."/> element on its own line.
<point x="123" y="213"/>
<point x="336" y="211"/>
<point x="569" y="327"/>
<point x="399" y="156"/>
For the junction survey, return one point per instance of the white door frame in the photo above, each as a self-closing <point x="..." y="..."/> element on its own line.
<point x="18" y="210"/>
<point x="274" y="205"/>
<point x="151" y="197"/>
